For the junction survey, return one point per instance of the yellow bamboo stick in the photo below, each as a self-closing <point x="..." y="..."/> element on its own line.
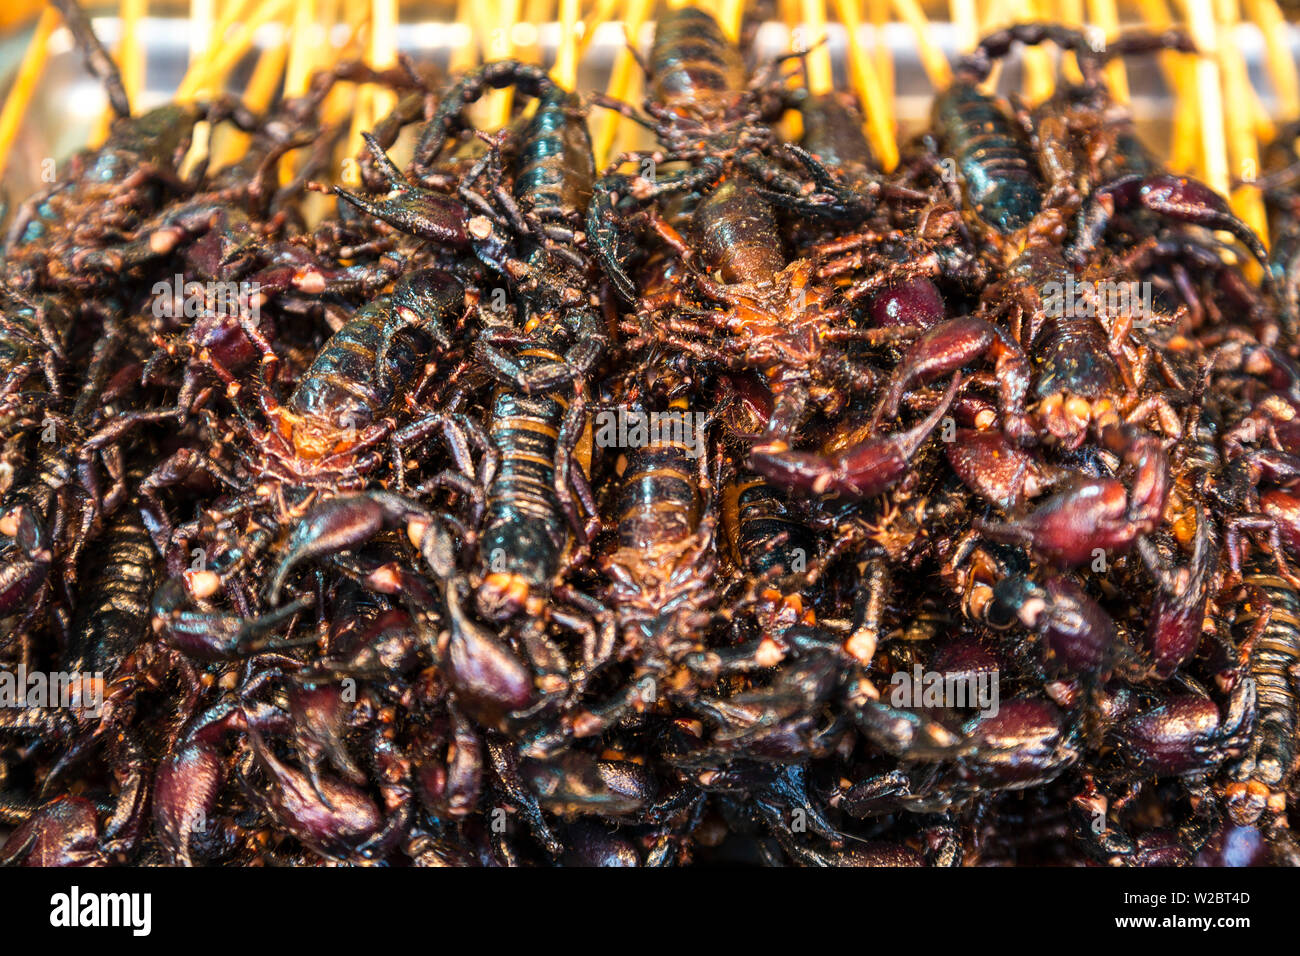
<point x="1180" y="75"/>
<point x="130" y="63"/>
<point x="463" y="56"/>
<point x="966" y="18"/>
<point x="566" y="55"/>
<point x="820" y="77"/>
<point x="1040" y="77"/>
<point x="730" y="15"/>
<point x="932" y="58"/>
<point x="262" y="87"/>
<point x="995" y="15"/>
<point x="1277" y="55"/>
<point x="882" y="56"/>
<point x="500" y="46"/>
<point x="1105" y="14"/>
<point x="133" y="60"/>
<point x="878" y="108"/>
<point x="24" y="85"/>
<point x="1242" y="148"/>
<point x="382" y="55"/>
<point x="1072" y="15"/>
<point x="621" y="77"/>
<point x="1214" y="147"/>
<point x="201" y="57"/>
<point x="298" y="73"/>
<point x="230" y="52"/>
<point x="600" y="13"/>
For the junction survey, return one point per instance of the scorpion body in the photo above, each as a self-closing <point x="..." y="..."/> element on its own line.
<point x="1269" y="622"/>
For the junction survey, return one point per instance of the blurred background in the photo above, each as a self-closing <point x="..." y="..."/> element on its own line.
<point x="1207" y="114"/>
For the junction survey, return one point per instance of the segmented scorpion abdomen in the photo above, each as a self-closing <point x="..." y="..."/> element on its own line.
<point x="659" y="502"/>
<point x="556" y="167"/>
<point x="694" y="69"/>
<point x="524" y="532"/>
<point x="1261" y="778"/>
<point x="113" y="609"/>
<point x="367" y="363"/>
<point x="832" y="132"/>
<point x="990" y="154"/>
<point x="663" y="565"/>
<point x="769" y="538"/>
<point x="737" y="233"/>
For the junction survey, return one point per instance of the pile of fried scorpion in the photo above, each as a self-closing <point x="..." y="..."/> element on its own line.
<point x="740" y="503"/>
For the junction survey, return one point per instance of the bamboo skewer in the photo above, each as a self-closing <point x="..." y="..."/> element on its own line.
<point x="1180" y="75"/>
<point x="932" y="58"/>
<point x="1242" y="146"/>
<point x="1071" y="14"/>
<point x="879" y="108"/>
<point x="565" y="71"/>
<point x="382" y="55"/>
<point x="1277" y="55"/>
<point x="882" y="56"/>
<point x="1040" y="77"/>
<point x="130" y="63"/>
<point x="1200" y="16"/>
<point x="730" y="15"/>
<point x="966" y="18"/>
<point x="1105" y="14"/>
<point x="29" y="74"/>
<point x="813" y="40"/>
<point x="621" y="78"/>
<point x="212" y="70"/>
<point x="602" y="12"/>
<point x="500" y="46"/>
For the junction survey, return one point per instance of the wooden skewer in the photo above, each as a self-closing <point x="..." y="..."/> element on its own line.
<point x="882" y="56"/>
<point x="730" y="15"/>
<point x="500" y="46"/>
<point x="358" y="14"/>
<point x="877" y="107"/>
<point x="1180" y="75"/>
<point x="1040" y="77"/>
<point x="996" y="15"/>
<point x="202" y="17"/>
<point x="382" y="55"/>
<point x="932" y="58"/>
<point x="201" y="58"/>
<point x="621" y="78"/>
<point x="1071" y="14"/>
<point x="1242" y="148"/>
<point x="301" y="48"/>
<point x="130" y="63"/>
<point x="231" y="51"/>
<point x="812" y="39"/>
<point x="566" y="55"/>
<point x="1105" y="14"/>
<point x="600" y="13"/>
<point x="463" y="55"/>
<point x="24" y="85"/>
<point x="1277" y="55"/>
<point x="967" y="20"/>
<point x="1200" y="16"/>
<point x="261" y="88"/>
<point x="133" y="59"/>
